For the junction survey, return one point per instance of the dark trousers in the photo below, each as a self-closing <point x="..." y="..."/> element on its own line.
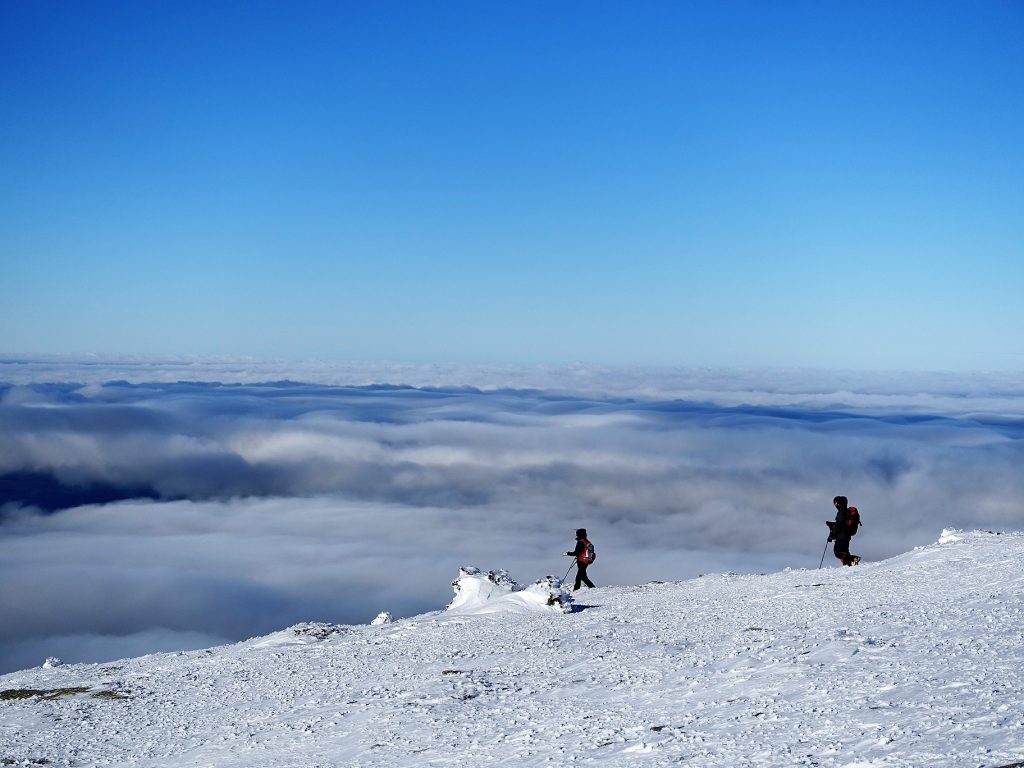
<point x="581" y="575"/>
<point x="842" y="550"/>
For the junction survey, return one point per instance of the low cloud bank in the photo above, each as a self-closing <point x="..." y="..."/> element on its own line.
<point x="909" y="391"/>
<point x="234" y="510"/>
<point x="24" y="653"/>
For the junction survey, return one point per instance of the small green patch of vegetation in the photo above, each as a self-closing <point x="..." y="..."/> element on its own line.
<point x="28" y="693"/>
<point x="111" y="695"/>
<point x="18" y="693"/>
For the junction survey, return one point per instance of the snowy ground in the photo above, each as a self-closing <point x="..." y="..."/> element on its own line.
<point x="914" y="661"/>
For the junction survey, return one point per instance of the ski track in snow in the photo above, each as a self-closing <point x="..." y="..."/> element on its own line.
<point x="914" y="661"/>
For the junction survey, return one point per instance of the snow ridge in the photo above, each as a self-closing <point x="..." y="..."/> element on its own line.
<point x="914" y="661"/>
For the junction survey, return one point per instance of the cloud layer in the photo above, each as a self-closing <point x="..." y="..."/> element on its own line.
<point x="955" y="393"/>
<point x="223" y="511"/>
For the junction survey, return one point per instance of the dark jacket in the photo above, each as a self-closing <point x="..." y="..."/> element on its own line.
<point x="845" y="524"/>
<point x="581" y="547"/>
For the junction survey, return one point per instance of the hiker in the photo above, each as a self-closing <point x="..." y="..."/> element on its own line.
<point x="842" y="529"/>
<point x="584" y="554"/>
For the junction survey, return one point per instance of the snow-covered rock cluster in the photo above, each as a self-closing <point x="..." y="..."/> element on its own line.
<point x="316" y="630"/>
<point x="299" y="634"/>
<point x="479" y="592"/>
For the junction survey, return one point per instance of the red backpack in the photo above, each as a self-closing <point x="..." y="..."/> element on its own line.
<point x="853" y="521"/>
<point x="588" y="555"/>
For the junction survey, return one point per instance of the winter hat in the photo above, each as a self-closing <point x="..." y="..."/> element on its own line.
<point x="841" y="500"/>
<point x="581" y="533"/>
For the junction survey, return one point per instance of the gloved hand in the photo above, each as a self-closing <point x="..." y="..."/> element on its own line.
<point x="567" y="554"/>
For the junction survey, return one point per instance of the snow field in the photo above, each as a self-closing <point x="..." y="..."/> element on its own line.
<point x="915" y="661"/>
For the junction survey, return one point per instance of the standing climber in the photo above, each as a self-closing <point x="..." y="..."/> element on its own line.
<point x="585" y="555"/>
<point x="842" y="529"/>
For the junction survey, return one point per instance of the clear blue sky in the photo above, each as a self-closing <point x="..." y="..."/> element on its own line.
<point x="721" y="183"/>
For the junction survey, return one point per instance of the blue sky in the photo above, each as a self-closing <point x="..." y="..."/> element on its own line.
<point x="788" y="184"/>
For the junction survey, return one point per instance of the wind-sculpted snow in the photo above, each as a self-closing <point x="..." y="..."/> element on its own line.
<point x="478" y="592"/>
<point x="915" y="661"/>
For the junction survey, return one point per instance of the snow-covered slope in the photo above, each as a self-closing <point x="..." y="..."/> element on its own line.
<point x="915" y="661"/>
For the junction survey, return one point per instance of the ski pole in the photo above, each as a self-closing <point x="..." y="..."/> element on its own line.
<point x="823" y="555"/>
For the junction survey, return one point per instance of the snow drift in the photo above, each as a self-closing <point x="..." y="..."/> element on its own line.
<point x="478" y="592"/>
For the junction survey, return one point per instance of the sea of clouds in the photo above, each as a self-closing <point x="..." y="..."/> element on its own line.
<point x="150" y="505"/>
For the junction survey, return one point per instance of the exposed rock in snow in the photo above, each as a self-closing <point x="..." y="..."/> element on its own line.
<point x="316" y="630"/>
<point x="298" y="634"/>
<point x="477" y="592"/>
<point x="382" y="618"/>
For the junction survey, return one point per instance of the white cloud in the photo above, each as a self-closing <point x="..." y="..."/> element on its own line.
<point x="989" y="392"/>
<point x="292" y="502"/>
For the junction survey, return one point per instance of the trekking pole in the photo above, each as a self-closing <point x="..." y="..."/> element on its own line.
<point x="823" y="555"/>
<point x="567" y="572"/>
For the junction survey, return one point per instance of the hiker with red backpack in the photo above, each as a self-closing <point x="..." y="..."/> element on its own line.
<point x="843" y="528"/>
<point x="585" y="555"/>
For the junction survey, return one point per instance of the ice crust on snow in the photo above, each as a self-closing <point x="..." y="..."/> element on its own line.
<point x="909" y="662"/>
<point x="478" y="592"/>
